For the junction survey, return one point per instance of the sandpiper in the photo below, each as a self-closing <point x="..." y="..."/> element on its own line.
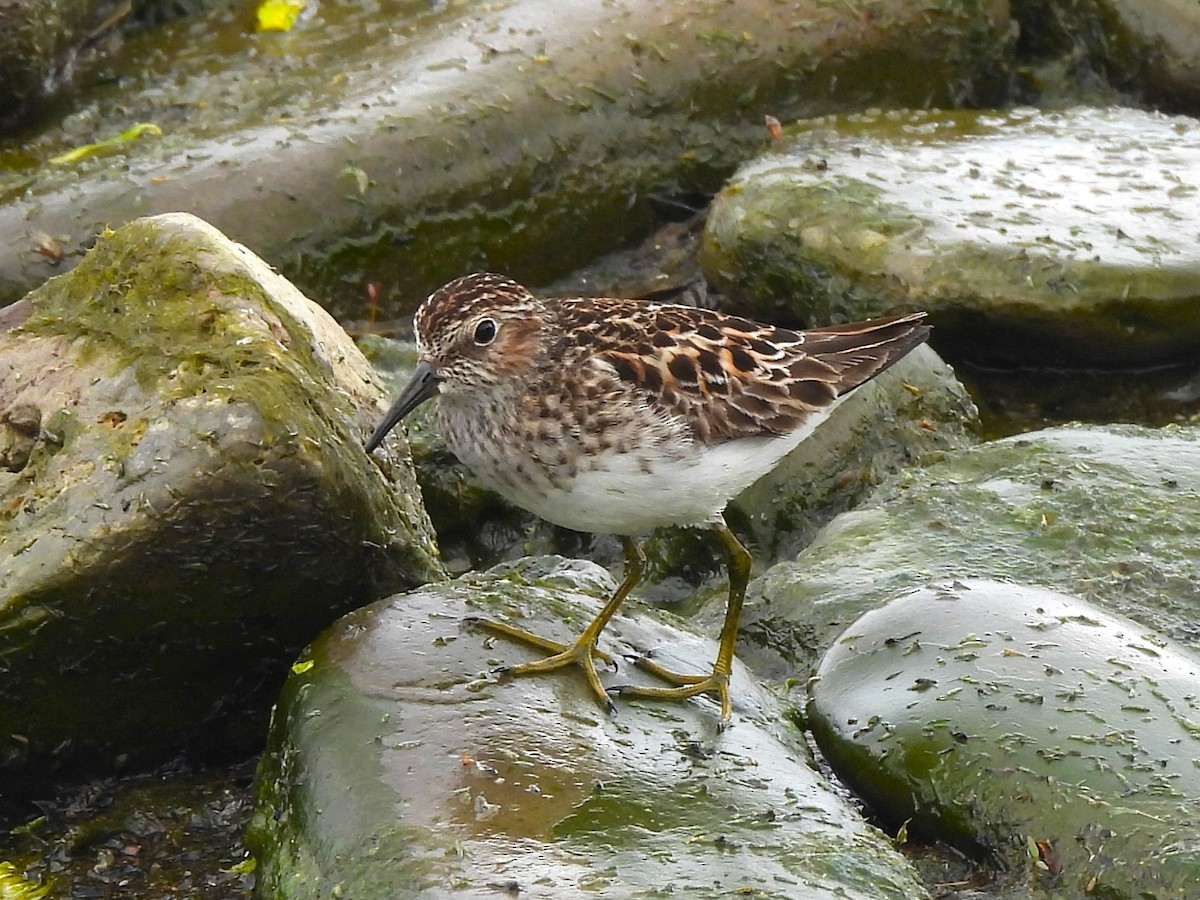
<point x="617" y="416"/>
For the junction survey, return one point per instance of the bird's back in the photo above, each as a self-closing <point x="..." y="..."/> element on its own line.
<point x="728" y="377"/>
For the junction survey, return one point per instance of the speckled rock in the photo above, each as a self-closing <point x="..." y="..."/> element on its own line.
<point x="1028" y="724"/>
<point x="461" y="136"/>
<point x="1110" y="515"/>
<point x="1097" y="527"/>
<point x="1047" y="239"/>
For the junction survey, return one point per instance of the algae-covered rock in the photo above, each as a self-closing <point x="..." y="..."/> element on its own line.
<point x="1028" y="723"/>
<point x="418" y="141"/>
<point x="1110" y="515"/>
<point x="397" y="767"/>
<point x="1107" y="516"/>
<point x="1048" y="239"/>
<point x="184" y="501"/>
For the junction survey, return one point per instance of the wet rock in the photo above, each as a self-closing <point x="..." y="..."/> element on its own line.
<point x="1026" y="723"/>
<point x="1045" y="239"/>
<point x="1110" y="515"/>
<point x="1106" y="516"/>
<point x="396" y="766"/>
<point x="37" y="40"/>
<point x="184" y="501"/>
<point x="1148" y="48"/>
<point x="420" y="141"/>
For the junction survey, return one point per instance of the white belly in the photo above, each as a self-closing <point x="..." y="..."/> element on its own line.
<point x="620" y="497"/>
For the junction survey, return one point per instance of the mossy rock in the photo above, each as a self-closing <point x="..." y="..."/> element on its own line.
<point x="185" y="502"/>
<point x="1107" y="514"/>
<point x="960" y="705"/>
<point x="1144" y="48"/>
<point x="458" y="137"/>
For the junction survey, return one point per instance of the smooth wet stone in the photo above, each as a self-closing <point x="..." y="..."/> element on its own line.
<point x="1030" y="724"/>
<point x="1040" y="238"/>
<point x="398" y="767"/>
<point x="401" y="144"/>
<point x="1107" y="514"/>
<point x="184" y="502"/>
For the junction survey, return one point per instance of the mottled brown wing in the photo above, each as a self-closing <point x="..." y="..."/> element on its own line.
<point x="729" y="377"/>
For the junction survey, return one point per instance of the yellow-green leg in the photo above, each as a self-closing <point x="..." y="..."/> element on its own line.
<point x="583" y="651"/>
<point x="717" y="682"/>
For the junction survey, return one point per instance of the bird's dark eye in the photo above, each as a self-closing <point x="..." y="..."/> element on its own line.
<point x="485" y="332"/>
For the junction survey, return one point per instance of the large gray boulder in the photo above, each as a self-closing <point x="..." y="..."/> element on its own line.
<point x="427" y="140"/>
<point x="1006" y="649"/>
<point x="1024" y="723"/>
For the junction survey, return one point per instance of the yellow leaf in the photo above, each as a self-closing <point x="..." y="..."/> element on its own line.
<point x="14" y="886"/>
<point x="301" y="667"/>
<point x="129" y="134"/>
<point x="279" y="15"/>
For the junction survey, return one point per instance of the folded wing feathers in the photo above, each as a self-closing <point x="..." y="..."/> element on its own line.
<point x="728" y="377"/>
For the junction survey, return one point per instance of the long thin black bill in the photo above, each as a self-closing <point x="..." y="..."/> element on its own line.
<point x="421" y="387"/>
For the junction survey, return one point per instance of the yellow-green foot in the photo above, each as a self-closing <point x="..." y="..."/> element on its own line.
<point x="687" y="686"/>
<point x="583" y="653"/>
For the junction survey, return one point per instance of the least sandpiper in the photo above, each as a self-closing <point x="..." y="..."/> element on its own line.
<point x="618" y="417"/>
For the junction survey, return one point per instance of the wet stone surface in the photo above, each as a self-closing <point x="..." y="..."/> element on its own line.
<point x="397" y="763"/>
<point x="401" y="143"/>
<point x="1047" y="239"/>
<point x="184" y="502"/>
<point x="1109" y="515"/>
<point x="1008" y="718"/>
